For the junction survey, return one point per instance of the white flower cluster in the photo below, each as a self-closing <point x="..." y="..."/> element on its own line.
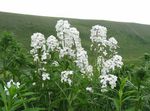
<point x="108" y="79"/>
<point x="112" y="43"/>
<point x="98" y="33"/>
<point x="62" y="26"/>
<point x="64" y="33"/>
<point x="41" y="46"/>
<point x="37" y="40"/>
<point x="66" y="51"/>
<point x="55" y="63"/>
<point x="74" y="33"/>
<point x="89" y="89"/>
<point x="65" y="77"/>
<point x="52" y="43"/>
<point x="71" y="45"/>
<point x="45" y="76"/>
<point x="68" y="43"/>
<point x="9" y="85"/>
<point x="82" y="62"/>
<point x="111" y="64"/>
<point x="107" y="59"/>
<point x="99" y="37"/>
<point x="38" y="43"/>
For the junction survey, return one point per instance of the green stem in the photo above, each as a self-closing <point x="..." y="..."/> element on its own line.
<point x="70" y="106"/>
<point x="120" y="104"/>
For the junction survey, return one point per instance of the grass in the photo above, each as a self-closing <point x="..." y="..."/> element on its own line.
<point x="134" y="39"/>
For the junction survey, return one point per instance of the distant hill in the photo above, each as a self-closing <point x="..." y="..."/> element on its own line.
<point x="134" y="39"/>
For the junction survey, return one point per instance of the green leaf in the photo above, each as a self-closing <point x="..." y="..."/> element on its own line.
<point x="3" y="95"/>
<point x="34" y="109"/>
<point x="116" y="102"/>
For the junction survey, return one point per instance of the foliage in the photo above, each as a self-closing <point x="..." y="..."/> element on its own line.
<point x="133" y="38"/>
<point x="16" y="98"/>
<point x="12" y="57"/>
<point x="59" y="74"/>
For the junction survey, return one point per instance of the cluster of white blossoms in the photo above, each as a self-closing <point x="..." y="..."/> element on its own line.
<point x="9" y="85"/>
<point x="98" y="33"/>
<point x="38" y="44"/>
<point x="39" y="51"/>
<point x="112" y="43"/>
<point x="71" y="45"/>
<point x="111" y="64"/>
<point x="65" y="38"/>
<point x="52" y="43"/>
<point x="68" y="43"/>
<point x="82" y="62"/>
<point x="108" y="79"/>
<point x="66" y="51"/>
<point x="107" y="59"/>
<point x="45" y="76"/>
<point x="65" y="77"/>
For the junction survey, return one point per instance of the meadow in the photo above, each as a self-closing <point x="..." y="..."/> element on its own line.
<point x="133" y="38"/>
<point x="62" y="64"/>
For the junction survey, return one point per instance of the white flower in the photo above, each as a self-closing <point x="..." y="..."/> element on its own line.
<point x="44" y="56"/>
<point x="106" y="61"/>
<point x="98" y="33"/>
<point x="6" y="90"/>
<point x="118" y="61"/>
<point x="68" y="40"/>
<point x="66" y="51"/>
<point x="9" y="85"/>
<point x="82" y="62"/>
<point x="11" y="82"/>
<point x="17" y="84"/>
<point x="62" y="25"/>
<point x="37" y="40"/>
<point x="89" y="70"/>
<point x="108" y="79"/>
<point x="55" y="63"/>
<point x="112" y="43"/>
<point x="71" y="46"/>
<point x="33" y="83"/>
<point x="45" y="76"/>
<point x="74" y="33"/>
<point x="41" y="69"/>
<point x="52" y="43"/>
<point x="36" y="58"/>
<point x="110" y="64"/>
<point x="65" y="77"/>
<point x="89" y="89"/>
<point x="105" y="53"/>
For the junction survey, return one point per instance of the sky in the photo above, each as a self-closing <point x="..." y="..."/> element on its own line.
<point x="137" y="11"/>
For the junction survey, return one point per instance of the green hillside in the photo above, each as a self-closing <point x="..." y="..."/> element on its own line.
<point x="134" y="39"/>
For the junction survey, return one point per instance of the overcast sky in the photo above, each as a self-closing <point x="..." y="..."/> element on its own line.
<point x="116" y="10"/>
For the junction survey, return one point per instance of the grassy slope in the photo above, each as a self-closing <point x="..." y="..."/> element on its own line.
<point x="134" y="39"/>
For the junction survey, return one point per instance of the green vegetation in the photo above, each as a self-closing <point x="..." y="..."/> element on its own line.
<point x="134" y="39"/>
<point x="48" y="79"/>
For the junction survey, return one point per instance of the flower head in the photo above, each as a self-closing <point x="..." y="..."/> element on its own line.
<point x="10" y="84"/>
<point x="65" y="77"/>
<point x="37" y="40"/>
<point x="52" y="43"/>
<point x="45" y="76"/>
<point x="89" y="89"/>
<point x="108" y="79"/>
